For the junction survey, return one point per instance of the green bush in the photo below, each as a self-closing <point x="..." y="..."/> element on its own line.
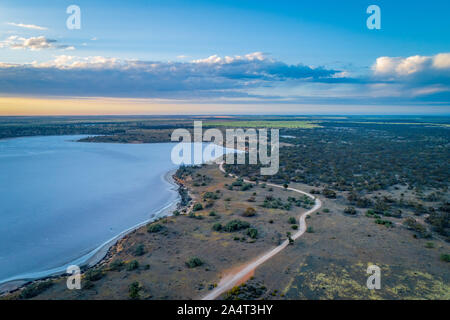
<point x="194" y="262"/>
<point x="329" y="193"/>
<point x="292" y="220"/>
<point x="139" y="250"/>
<point x="197" y="207"/>
<point x="238" y="182"/>
<point x="294" y="227"/>
<point x="217" y="226"/>
<point x="35" y="289"/>
<point x="236" y="225"/>
<point x="116" y="265"/>
<point x="289" y="236"/>
<point x="93" y="275"/>
<point x="429" y="245"/>
<point x="370" y="213"/>
<point x="154" y="228"/>
<point x="133" y="290"/>
<point x="252" y="233"/>
<point x="445" y="257"/>
<point x="210" y="195"/>
<point x="132" y="265"/>
<point x="387" y="223"/>
<point x="420" y="230"/>
<point x="310" y="229"/>
<point x="212" y="214"/>
<point x="350" y="210"/>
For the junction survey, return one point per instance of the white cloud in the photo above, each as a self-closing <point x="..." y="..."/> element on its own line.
<point x="399" y="66"/>
<point x="442" y="61"/>
<point x="32" y="43"/>
<point x="215" y="59"/>
<point x="26" y="26"/>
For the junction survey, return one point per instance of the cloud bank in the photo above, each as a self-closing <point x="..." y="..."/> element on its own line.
<point x="251" y="78"/>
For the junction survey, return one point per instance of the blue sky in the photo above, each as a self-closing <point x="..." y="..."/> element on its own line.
<point x="296" y="53"/>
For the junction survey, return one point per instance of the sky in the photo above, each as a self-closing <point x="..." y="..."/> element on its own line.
<point x="224" y="57"/>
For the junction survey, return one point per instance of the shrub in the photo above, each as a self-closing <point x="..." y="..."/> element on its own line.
<point x="387" y="223"/>
<point x="210" y="195"/>
<point x="176" y="213"/>
<point x="310" y="229"/>
<point x="329" y="193"/>
<point x="35" y="289"/>
<point x="116" y="265"/>
<point x="132" y="265"/>
<point x="139" y="250"/>
<point x="326" y="210"/>
<point x="429" y="245"/>
<point x="249" y="212"/>
<point x="154" y="228"/>
<point x="238" y="182"/>
<point x="198" y="207"/>
<point x="212" y="214"/>
<point x="194" y="262"/>
<point x="294" y="227"/>
<point x="420" y="230"/>
<point x="292" y="220"/>
<point x="236" y="225"/>
<point x="217" y="226"/>
<point x="252" y="233"/>
<point x="445" y="257"/>
<point x="350" y="210"/>
<point x="133" y="290"/>
<point x="291" y="241"/>
<point x="93" y="275"/>
<point x="209" y="204"/>
<point x="370" y="213"/>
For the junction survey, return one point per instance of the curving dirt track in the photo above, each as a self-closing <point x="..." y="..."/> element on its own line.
<point x="230" y="280"/>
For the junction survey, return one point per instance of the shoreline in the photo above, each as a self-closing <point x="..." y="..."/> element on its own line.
<point x="101" y="253"/>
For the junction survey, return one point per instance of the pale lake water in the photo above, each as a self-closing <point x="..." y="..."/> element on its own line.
<point x="61" y="200"/>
